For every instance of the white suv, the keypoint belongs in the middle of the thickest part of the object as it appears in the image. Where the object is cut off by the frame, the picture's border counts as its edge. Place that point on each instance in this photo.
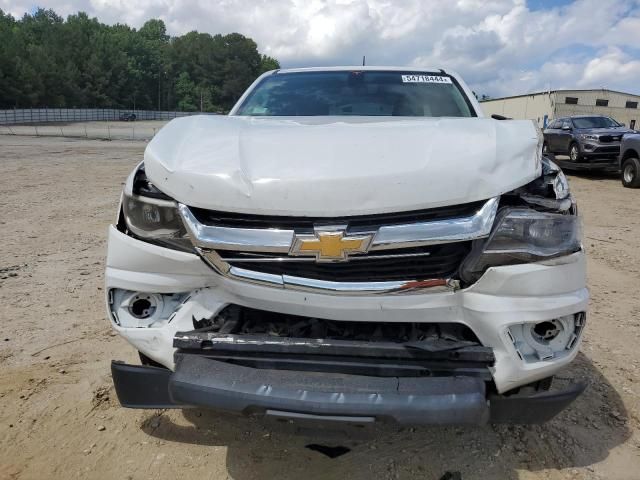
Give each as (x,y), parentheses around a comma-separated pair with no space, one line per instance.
(355,244)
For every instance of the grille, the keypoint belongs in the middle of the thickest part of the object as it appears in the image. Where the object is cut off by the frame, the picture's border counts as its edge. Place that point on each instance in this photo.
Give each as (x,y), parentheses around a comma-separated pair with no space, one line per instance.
(420,263)
(610,138)
(355,223)
(613,149)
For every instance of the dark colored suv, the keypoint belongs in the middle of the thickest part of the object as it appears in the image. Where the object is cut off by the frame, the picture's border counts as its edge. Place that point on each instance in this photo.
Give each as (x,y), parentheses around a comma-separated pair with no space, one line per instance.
(584,136)
(128,117)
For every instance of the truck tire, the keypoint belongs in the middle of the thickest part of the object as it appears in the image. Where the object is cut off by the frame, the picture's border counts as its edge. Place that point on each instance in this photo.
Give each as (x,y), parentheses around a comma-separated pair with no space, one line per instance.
(574,152)
(630,174)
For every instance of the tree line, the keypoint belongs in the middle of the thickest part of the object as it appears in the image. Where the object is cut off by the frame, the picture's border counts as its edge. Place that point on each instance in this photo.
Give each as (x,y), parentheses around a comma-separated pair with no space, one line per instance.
(47,61)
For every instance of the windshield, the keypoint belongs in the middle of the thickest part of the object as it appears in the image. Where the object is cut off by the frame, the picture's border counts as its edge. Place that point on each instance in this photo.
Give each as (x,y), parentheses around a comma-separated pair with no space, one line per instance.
(595,122)
(376,93)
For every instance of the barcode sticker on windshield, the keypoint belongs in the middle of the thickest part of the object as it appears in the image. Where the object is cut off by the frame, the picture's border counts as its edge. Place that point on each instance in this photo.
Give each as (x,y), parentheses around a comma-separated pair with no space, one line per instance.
(425,79)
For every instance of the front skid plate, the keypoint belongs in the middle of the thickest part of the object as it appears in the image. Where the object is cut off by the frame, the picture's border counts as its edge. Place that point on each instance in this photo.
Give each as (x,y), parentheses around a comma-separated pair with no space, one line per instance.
(203,382)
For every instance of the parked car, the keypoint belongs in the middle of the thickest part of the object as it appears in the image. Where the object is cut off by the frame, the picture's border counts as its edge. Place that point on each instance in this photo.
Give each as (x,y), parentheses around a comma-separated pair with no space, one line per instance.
(128,117)
(349,244)
(584,137)
(630,160)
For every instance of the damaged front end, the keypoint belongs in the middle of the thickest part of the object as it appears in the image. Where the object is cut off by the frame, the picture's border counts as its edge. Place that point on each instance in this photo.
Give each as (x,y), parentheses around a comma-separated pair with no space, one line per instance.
(262,363)
(260,339)
(257,362)
(471,353)
(536,222)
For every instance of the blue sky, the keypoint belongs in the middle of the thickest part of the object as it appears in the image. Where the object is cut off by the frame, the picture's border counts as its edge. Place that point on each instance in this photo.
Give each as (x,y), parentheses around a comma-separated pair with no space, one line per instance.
(501,47)
(546,4)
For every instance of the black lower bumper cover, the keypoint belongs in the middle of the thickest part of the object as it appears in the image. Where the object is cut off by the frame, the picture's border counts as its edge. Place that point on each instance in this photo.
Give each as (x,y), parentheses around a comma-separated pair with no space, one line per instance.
(199,381)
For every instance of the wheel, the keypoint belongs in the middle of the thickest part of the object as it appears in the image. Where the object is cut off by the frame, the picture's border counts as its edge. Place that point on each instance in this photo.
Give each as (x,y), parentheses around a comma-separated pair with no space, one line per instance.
(631,173)
(574,152)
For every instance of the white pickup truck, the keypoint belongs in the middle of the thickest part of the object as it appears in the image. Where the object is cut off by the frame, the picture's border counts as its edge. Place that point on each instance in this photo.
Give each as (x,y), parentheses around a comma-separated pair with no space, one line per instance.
(349,244)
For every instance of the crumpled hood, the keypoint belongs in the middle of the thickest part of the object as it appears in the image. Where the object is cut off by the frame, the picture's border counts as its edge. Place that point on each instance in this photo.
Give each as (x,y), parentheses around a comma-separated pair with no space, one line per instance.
(339,166)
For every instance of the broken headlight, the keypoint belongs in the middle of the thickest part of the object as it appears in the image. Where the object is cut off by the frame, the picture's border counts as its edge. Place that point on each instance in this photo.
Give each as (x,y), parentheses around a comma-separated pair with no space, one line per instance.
(523,235)
(152,216)
(550,190)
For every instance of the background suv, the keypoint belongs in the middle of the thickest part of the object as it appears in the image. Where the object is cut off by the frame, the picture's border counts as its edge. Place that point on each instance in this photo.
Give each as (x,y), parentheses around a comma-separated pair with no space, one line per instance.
(584,136)
(128,117)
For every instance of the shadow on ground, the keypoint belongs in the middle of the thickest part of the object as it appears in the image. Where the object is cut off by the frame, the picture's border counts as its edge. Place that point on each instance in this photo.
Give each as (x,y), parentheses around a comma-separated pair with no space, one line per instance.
(596,171)
(259,449)
(594,175)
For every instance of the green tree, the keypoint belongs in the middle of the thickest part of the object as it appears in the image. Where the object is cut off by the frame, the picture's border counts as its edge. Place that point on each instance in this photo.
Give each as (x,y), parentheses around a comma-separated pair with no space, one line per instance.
(46,60)
(268,63)
(186,93)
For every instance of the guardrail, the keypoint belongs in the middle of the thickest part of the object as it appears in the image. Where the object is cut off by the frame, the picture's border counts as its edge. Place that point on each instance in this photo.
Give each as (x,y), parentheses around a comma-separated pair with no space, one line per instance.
(20,116)
(100,131)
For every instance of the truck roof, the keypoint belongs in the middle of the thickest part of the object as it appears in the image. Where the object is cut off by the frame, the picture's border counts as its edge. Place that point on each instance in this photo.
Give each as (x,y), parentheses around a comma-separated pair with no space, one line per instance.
(359,68)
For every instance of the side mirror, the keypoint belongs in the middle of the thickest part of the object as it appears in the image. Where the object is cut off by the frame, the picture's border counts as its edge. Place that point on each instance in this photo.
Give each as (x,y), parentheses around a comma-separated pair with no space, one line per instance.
(623,124)
(566,127)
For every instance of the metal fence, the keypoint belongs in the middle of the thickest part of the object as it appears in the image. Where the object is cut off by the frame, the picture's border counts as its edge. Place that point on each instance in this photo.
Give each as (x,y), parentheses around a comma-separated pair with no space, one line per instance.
(21,116)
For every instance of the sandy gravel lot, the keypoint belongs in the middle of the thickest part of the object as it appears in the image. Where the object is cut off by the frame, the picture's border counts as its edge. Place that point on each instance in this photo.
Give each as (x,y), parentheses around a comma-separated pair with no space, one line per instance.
(59,418)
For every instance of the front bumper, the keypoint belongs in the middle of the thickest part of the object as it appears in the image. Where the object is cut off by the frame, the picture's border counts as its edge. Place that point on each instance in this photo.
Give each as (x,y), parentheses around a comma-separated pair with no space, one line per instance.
(503,297)
(202,382)
(600,150)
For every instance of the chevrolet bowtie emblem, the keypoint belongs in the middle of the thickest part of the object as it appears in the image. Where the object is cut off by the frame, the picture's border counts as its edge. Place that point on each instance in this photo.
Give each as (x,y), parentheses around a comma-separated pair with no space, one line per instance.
(330,245)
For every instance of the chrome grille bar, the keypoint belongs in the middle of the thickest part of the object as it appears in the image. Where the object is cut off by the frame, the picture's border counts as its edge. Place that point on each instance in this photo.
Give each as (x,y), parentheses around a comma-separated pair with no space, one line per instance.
(327,287)
(242,239)
(313,260)
(387,237)
(438,231)
(226,248)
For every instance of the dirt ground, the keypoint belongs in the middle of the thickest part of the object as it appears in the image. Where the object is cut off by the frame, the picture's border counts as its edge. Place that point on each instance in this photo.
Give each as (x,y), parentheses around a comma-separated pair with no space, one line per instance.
(59,417)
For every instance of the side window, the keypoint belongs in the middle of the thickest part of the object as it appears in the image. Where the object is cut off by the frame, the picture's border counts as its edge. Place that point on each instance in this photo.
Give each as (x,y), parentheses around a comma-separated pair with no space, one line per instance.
(555,124)
(566,123)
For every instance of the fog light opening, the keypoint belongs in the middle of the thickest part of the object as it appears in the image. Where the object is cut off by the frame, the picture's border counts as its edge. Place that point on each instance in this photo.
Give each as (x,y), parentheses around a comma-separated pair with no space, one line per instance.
(546,331)
(131,309)
(548,339)
(142,306)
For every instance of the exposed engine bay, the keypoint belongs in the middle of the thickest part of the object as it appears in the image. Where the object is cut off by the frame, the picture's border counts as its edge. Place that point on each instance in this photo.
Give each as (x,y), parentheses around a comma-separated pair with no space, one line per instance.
(262,339)
(234,319)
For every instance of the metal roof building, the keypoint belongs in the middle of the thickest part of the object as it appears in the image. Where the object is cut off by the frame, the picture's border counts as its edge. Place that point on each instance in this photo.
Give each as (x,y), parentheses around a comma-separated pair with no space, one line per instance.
(545,106)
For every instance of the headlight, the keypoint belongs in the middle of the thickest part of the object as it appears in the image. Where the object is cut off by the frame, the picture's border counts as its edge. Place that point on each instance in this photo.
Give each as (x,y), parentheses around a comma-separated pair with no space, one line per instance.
(560,186)
(522,236)
(549,191)
(153,216)
(585,136)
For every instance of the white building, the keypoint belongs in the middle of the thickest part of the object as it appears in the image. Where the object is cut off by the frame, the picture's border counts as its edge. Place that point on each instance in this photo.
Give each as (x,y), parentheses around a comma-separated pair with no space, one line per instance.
(545,106)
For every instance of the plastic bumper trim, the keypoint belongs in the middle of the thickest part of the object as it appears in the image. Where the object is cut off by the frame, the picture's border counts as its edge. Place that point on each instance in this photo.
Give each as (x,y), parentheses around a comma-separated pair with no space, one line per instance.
(202,382)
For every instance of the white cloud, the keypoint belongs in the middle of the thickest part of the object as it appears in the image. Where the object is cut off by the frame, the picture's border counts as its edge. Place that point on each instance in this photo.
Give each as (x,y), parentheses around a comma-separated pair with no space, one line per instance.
(598,70)
(500,46)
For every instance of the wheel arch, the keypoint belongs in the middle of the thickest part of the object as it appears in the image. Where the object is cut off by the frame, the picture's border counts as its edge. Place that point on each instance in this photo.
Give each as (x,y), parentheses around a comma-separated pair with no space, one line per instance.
(629,153)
